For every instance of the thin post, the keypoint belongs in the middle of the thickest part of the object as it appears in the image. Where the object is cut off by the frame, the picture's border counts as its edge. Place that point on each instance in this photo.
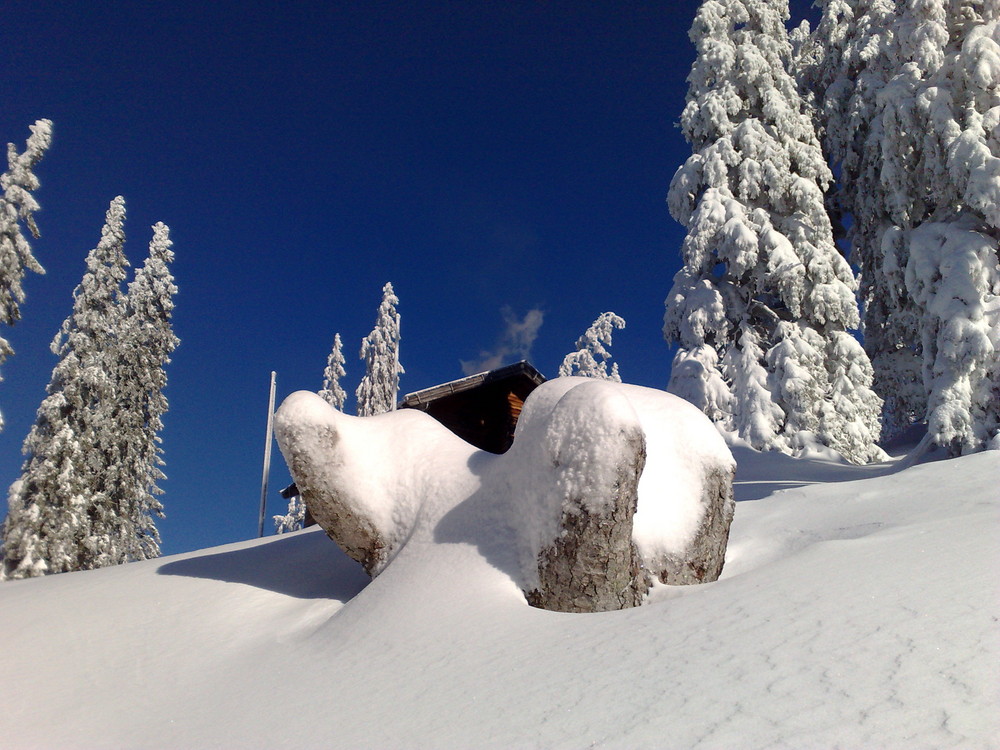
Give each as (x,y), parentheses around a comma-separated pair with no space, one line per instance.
(267,456)
(395,360)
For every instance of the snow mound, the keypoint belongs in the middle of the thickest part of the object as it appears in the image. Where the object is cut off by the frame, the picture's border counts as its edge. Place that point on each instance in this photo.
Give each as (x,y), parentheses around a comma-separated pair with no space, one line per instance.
(683,452)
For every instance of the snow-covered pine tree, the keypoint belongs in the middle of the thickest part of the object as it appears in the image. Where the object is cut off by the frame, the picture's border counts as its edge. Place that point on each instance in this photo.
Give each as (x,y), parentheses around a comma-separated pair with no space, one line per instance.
(917,148)
(147,341)
(757,418)
(60,518)
(17,205)
(332,392)
(858,55)
(764,297)
(590,346)
(380,350)
(947,213)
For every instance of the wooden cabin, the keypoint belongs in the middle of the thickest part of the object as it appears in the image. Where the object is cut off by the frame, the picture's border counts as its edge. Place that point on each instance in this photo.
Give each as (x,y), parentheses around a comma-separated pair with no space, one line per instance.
(481,409)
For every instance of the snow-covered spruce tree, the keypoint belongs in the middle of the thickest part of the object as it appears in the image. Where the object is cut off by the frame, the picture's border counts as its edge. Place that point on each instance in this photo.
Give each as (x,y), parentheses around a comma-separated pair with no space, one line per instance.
(757,418)
(147,341)
(917,148)
(946,214)
(60,518)
(17,205)
(332,392)
(858,54)
(954,278)
(764,298)
(380,350)
(591,345)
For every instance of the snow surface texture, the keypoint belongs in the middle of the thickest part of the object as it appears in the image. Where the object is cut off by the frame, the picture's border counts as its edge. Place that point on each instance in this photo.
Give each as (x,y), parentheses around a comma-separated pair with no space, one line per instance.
(858,609)
(586,525)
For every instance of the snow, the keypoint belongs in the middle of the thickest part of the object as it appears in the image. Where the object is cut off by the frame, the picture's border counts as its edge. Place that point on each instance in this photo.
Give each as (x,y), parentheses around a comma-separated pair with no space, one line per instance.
(858,608)
(681,447)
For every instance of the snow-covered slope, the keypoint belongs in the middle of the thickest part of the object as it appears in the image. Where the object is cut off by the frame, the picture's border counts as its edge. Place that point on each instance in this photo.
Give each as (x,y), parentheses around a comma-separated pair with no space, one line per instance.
(859,608)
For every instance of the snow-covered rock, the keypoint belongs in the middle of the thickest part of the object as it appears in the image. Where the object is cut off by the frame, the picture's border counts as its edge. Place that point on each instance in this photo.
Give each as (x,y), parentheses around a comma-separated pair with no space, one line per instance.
(606,487)
(573,477)
(365,479)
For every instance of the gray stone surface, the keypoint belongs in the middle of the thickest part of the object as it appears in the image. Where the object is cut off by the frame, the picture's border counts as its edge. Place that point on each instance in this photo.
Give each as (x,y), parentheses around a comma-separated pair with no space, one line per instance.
(310,448)
(703,560)
(593,566)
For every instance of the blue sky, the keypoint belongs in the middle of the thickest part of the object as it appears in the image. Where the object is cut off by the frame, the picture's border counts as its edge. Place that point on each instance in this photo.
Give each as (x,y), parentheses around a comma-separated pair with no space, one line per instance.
(489,159)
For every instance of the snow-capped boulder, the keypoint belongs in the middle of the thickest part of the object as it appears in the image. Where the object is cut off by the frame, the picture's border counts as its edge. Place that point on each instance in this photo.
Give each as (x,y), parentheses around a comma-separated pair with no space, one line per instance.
(572,478)
(685,490)
(606,487)
(365,479)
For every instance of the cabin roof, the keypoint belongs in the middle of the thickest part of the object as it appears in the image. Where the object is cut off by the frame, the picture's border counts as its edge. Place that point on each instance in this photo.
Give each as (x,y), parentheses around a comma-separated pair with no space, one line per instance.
(522,370)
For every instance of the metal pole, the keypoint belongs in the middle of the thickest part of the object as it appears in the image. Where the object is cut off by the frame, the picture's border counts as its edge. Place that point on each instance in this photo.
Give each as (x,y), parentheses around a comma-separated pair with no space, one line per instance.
(395,360)
(267,456)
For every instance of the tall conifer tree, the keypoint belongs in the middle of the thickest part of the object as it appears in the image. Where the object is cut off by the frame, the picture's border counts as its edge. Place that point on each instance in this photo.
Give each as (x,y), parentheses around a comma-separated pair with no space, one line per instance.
(380,350)
(86,497)
(858,54)
(60,517)
(945,237)
(147,341)
(913,91)
(332,392)
(17,206)
(764,297)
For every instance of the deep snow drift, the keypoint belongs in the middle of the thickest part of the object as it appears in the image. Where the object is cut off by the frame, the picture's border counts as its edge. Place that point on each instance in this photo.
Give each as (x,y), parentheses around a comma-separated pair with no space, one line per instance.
(858,608)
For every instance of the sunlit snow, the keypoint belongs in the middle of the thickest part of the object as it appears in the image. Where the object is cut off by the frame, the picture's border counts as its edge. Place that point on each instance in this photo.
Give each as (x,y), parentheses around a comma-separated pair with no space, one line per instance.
(858,608)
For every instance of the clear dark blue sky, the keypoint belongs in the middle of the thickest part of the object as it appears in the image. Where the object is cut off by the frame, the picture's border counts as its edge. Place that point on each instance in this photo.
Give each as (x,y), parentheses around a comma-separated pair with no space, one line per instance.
(479,155)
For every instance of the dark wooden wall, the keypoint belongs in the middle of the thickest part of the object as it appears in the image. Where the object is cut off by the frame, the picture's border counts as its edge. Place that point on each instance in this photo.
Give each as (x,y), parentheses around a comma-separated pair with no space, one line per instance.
(484,416)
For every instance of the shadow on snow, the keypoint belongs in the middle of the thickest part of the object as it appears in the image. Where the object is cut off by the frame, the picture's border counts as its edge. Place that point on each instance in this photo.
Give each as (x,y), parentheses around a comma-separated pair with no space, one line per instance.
(303,565)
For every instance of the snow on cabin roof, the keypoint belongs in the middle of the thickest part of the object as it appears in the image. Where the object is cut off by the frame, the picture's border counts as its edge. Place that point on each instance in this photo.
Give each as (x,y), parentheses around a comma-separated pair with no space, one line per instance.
(420,398)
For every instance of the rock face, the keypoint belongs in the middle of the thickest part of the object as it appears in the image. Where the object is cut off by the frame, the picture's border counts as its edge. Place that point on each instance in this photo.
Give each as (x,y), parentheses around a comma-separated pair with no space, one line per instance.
(597,452)
(349,526)
(684,487)
(593,565)
(606,487)
(702,561)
